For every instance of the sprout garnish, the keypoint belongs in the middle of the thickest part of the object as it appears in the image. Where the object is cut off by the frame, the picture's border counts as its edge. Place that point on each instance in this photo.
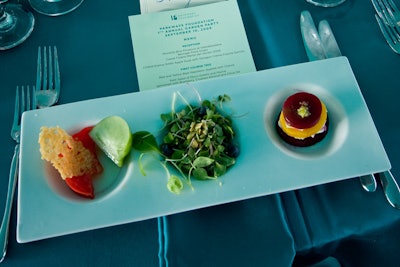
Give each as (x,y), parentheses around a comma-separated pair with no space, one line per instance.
(197,140)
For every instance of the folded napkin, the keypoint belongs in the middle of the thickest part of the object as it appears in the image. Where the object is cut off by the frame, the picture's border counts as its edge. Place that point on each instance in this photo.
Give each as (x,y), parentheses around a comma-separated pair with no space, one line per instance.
(147,6)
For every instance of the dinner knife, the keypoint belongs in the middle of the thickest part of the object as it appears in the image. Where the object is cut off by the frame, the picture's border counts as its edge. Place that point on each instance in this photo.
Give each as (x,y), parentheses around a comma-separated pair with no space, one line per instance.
(390,188)
(311,38)
(368,182)
(328,40)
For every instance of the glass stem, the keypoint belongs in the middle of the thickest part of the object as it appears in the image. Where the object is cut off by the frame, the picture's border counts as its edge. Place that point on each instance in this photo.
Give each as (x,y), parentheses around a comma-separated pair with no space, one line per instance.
(2,12)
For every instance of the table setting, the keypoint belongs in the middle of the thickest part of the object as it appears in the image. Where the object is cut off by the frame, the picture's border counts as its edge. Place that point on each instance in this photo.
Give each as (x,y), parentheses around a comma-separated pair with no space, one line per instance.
(77,62)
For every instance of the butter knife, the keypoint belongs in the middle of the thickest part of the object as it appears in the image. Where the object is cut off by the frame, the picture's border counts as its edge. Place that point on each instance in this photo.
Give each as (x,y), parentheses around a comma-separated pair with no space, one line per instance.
(311,39)
(390,188)
(328,40)
(368,182)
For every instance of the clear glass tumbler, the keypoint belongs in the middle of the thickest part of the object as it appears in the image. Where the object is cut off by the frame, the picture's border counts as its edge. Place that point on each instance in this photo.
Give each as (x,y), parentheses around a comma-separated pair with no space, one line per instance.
(326,3)
(16,24)
(55,7)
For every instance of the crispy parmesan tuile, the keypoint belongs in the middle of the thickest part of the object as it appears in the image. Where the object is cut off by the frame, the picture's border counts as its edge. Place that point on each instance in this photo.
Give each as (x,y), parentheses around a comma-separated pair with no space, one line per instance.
(66,154)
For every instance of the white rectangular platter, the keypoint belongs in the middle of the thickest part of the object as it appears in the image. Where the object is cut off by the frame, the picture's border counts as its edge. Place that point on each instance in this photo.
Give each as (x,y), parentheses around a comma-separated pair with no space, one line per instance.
(266,165)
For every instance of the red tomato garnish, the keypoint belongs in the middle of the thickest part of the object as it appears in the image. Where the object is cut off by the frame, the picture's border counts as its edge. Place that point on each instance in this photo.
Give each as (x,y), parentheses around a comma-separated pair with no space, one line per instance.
(83,136)
(81,185)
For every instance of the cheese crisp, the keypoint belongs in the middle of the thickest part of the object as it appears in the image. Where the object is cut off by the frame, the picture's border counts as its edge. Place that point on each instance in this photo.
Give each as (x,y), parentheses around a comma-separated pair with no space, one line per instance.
(67,155)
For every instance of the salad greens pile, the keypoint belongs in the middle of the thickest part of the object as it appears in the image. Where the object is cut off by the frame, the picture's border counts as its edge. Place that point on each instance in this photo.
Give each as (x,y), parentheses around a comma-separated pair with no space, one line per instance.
(197,140)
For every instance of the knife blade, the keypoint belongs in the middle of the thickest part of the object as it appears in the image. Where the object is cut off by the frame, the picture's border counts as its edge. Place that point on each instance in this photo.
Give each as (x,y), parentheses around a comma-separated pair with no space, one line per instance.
(390,188)
(368,182)
(328,39)
(311,39)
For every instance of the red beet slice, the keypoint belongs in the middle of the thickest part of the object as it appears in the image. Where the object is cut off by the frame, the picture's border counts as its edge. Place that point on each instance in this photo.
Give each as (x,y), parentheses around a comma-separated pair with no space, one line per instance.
(302,110)
(309,141)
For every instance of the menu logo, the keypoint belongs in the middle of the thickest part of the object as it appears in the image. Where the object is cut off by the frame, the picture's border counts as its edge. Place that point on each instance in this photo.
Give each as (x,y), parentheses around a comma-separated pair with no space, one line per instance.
(182,16)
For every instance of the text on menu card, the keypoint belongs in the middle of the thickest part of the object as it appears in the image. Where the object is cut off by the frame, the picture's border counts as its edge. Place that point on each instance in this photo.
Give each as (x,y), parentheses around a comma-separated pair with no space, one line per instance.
(185,45)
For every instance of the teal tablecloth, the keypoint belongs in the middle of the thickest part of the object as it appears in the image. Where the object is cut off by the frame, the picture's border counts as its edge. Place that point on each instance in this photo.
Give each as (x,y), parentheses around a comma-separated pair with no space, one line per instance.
(297,227)
(337,220)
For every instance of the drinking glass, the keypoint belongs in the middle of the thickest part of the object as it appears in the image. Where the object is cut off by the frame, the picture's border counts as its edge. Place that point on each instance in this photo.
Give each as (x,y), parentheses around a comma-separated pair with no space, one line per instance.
(326,3)
(16,24)
(55,7)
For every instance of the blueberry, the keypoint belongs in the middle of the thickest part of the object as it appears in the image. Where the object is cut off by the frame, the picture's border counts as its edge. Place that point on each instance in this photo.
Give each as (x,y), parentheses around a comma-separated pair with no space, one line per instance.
(202,111)
(166,149)
(232,150)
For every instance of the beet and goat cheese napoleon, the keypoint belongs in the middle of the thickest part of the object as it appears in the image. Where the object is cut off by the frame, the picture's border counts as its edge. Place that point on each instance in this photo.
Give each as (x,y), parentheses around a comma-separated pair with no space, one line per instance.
(303,120)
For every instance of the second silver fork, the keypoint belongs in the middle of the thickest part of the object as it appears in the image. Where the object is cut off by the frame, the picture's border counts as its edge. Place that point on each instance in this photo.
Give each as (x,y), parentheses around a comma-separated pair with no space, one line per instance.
(388,11)
(388,18)
(391,34)
(24,100)
(48,80)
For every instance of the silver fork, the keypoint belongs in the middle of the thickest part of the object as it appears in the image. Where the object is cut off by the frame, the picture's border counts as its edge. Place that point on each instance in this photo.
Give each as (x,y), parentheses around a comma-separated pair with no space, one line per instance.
(387,10)
(48,77)
(391,34)
(24,100)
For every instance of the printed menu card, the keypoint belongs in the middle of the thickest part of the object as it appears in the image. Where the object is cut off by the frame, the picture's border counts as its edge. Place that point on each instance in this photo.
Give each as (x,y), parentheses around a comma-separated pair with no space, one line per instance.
(184,45)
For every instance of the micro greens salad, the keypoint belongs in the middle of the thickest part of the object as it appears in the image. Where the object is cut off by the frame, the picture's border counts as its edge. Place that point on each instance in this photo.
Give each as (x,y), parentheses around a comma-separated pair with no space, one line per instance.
(198,141)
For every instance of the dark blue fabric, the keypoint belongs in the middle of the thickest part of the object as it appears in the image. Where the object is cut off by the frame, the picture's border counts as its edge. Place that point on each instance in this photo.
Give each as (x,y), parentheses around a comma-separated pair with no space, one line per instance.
(245,233)
(338,214)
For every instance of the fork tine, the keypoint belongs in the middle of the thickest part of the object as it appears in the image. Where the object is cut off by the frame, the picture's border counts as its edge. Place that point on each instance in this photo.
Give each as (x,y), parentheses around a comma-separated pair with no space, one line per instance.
(392,8)
(384,12)
(391,34)
(57,79)
(27,99)
(23,104)
(51,63)
(48,85)
(45,81)
(381,10)
(33,98)
(16,110)
(24,101)
(389,12)
(39,70)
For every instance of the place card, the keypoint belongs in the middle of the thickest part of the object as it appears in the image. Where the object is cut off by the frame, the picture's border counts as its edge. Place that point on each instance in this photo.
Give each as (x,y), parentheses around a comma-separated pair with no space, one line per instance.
(147,6)
(184,45)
